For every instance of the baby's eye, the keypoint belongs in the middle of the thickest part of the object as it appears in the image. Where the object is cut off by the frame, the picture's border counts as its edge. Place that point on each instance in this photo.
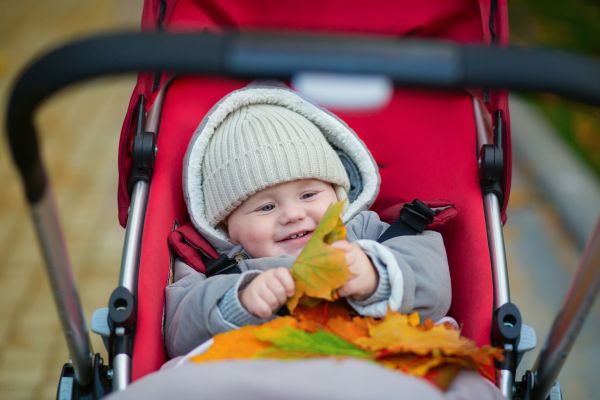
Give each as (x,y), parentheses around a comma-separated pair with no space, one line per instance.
(266,208)
(308,195)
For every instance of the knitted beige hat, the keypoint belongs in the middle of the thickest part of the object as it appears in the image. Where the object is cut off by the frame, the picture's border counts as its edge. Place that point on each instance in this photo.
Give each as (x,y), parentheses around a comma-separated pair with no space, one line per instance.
(261,145)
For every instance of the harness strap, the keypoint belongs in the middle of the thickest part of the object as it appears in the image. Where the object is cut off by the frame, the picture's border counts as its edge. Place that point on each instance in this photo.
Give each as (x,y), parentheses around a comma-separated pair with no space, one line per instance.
(413,219)
(221,265)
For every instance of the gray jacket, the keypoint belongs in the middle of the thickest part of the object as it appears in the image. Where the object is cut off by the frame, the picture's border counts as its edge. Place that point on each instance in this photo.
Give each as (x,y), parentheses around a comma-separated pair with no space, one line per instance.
(413,276)
(413,270)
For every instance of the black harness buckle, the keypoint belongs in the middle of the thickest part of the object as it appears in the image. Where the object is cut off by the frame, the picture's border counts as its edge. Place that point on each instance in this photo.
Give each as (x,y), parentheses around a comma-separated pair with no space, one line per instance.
(413,219)
(417,215)
(222,265)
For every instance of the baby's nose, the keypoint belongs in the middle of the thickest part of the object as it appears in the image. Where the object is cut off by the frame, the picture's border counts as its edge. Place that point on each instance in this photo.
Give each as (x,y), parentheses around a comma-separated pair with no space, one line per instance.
(293,214)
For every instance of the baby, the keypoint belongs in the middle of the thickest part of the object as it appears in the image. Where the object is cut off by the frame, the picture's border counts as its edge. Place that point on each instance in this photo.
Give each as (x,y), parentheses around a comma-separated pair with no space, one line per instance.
(260,172)
(278,221)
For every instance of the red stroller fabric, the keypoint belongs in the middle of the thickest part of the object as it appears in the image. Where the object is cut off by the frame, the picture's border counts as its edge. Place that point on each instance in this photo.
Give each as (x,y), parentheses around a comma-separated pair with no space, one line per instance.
(423,141)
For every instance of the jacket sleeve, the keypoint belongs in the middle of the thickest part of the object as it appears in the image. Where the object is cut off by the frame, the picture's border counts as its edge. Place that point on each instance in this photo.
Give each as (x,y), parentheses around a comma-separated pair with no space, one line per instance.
(417,269)
(198,308)
(192,314)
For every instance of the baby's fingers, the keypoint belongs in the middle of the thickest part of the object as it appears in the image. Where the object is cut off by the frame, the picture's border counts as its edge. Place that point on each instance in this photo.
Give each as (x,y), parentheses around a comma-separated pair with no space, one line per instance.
(284,277)
(278,290)
(261,309)
(270,298)
(348,289)
(256,302)
(343,245)
(356,288)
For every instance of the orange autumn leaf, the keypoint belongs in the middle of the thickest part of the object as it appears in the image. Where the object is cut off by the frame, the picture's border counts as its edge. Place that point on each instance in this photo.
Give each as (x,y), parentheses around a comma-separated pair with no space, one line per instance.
(398,334)
(433,352)
(323,311)
(241,343)
(349,330)
(321,269)
(337,317)
(315,317)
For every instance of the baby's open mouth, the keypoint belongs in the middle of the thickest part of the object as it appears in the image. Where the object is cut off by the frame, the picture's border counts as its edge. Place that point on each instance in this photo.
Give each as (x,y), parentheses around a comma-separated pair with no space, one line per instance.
(296,235)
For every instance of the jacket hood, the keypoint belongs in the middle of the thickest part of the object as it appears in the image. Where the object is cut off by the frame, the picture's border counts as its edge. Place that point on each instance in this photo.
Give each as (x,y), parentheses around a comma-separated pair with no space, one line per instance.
(357,160)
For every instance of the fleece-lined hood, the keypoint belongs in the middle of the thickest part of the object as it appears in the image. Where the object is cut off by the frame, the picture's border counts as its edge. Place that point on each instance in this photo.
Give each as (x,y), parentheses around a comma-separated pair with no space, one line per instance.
(357,160)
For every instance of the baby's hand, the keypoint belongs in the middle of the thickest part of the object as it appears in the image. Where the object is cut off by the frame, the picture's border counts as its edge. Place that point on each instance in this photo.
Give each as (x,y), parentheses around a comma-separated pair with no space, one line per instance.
(267,292)
(364,278)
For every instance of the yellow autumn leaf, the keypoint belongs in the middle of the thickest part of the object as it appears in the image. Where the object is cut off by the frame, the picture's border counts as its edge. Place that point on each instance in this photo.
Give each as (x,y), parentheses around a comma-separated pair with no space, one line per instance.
(401,334)
(321,269)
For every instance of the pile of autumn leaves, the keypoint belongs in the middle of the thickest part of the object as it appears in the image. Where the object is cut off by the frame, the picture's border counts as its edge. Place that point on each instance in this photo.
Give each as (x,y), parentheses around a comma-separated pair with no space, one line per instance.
(320,326)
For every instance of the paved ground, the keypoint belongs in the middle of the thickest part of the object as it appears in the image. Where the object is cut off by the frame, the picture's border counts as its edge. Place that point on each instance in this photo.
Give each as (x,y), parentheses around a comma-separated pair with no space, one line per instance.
(80,128)
(555,206)
(542,260)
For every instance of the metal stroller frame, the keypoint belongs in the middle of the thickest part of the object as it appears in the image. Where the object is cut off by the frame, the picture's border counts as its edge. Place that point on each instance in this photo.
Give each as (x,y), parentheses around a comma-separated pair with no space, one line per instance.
(410,63)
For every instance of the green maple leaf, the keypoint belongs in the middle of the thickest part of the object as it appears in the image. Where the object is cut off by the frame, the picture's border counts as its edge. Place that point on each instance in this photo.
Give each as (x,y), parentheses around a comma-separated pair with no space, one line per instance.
(290,342)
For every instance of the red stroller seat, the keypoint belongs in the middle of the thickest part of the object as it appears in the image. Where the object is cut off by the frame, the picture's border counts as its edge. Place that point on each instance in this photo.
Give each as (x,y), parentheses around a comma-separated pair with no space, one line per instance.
(424,142)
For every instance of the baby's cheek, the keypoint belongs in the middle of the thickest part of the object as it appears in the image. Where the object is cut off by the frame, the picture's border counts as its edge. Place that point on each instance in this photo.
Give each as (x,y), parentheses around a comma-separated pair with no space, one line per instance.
(259,244)
(244,234)
(256,236)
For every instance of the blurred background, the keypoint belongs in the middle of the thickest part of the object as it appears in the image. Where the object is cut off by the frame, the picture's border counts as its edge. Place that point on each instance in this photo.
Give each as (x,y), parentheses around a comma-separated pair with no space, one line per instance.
(80,127)
(575,27)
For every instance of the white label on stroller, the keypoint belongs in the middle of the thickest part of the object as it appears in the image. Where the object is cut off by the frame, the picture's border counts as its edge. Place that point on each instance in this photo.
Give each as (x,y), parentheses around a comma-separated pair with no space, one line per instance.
(65,388)
(344,91)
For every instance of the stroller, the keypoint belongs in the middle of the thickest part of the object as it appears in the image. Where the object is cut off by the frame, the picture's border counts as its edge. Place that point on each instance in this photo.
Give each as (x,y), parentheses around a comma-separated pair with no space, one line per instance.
(455,145)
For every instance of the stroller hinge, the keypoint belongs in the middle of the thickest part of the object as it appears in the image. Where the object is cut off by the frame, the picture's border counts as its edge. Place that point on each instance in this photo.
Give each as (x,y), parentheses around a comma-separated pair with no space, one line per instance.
(121,319)
(143,152)
(70,389)
(491,160)
(506,332)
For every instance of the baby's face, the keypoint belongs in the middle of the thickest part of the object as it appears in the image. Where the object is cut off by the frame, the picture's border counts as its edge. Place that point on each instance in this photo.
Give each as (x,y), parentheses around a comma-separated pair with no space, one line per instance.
(279,220)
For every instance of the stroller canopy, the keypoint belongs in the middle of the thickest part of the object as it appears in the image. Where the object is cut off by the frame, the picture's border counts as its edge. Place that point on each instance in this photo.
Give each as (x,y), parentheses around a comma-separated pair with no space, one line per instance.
(463,21)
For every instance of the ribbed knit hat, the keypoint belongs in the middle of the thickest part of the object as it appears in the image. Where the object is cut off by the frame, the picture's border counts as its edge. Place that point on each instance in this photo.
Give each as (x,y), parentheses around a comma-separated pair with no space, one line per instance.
(261,145)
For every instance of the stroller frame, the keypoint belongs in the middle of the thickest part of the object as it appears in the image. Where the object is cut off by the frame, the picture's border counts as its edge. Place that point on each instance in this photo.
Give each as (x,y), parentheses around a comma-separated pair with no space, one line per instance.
(428,64)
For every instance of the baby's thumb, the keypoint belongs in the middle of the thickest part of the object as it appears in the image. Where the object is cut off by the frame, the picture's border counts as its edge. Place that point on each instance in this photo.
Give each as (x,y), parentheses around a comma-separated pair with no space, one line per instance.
(342,245)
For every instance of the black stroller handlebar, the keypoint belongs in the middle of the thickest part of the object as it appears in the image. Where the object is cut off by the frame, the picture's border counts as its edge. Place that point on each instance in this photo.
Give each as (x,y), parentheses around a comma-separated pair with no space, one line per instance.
(257,55)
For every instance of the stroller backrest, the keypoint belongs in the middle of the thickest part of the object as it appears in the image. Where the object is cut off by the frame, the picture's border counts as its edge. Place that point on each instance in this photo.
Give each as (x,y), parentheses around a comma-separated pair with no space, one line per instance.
(424,144)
